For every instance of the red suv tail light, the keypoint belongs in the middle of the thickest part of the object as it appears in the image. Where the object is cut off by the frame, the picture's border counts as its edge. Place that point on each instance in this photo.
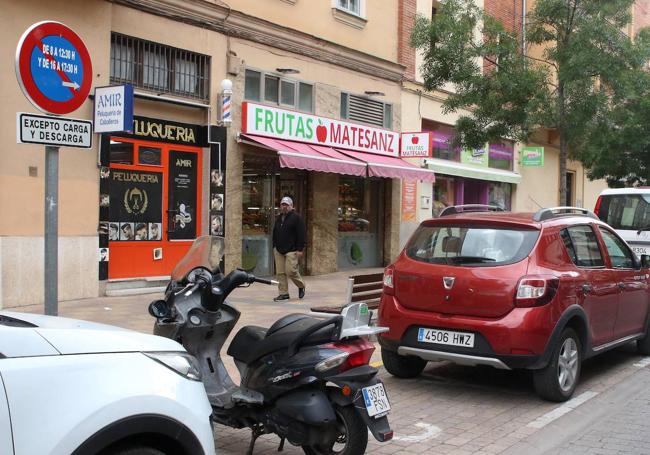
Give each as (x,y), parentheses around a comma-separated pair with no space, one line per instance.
(389,284)
(536,290)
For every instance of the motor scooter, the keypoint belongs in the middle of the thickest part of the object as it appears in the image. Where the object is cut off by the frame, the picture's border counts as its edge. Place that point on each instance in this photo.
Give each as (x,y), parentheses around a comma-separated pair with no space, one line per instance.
(304,378)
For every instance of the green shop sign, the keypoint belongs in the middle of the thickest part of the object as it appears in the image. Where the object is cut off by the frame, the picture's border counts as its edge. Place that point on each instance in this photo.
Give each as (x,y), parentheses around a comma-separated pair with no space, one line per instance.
(476,157)
(532,156)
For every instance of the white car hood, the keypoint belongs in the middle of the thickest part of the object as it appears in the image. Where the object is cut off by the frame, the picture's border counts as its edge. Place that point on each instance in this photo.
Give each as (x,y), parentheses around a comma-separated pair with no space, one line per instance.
(55,335)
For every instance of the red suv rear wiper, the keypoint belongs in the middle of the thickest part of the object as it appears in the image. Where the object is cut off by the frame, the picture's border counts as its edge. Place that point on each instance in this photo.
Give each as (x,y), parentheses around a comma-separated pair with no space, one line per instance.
(466,259)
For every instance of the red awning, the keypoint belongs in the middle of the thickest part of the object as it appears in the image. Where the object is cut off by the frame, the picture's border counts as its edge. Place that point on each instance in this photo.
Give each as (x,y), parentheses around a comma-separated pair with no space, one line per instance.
(297,155)
(391,167)
(311,157)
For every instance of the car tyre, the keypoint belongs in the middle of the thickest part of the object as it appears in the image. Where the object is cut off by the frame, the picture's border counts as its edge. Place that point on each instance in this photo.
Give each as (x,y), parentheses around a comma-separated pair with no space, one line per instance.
(557,381)
(643,345)
(402,366)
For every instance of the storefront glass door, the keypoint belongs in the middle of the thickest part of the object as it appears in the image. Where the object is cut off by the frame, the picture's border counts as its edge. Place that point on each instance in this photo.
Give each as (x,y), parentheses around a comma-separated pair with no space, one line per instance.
(360,223)
(264,184)
(154,203)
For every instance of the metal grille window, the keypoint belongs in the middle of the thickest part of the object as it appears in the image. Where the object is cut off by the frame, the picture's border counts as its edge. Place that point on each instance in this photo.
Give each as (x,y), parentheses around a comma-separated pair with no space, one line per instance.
(159,68)
(366,110)
(279,91)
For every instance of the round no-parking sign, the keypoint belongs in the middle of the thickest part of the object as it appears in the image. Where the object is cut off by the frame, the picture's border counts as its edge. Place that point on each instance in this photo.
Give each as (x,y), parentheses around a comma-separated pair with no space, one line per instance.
(53,67)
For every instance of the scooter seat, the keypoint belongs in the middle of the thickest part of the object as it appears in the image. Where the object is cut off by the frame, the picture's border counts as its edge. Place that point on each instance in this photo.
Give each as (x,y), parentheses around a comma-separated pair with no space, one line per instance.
(247,346)
(246,337)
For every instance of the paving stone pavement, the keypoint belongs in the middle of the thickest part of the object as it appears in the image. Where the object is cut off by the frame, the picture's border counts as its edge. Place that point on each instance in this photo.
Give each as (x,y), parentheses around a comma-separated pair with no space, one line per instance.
(625,431)
(449,409)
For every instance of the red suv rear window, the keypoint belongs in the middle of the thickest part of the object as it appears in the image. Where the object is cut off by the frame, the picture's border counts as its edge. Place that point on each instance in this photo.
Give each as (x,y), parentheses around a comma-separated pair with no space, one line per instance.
(469,245)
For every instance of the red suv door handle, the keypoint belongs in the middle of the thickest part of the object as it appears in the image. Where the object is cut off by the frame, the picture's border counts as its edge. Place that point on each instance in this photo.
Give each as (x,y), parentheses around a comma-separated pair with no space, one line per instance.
(621,285)
(586,288)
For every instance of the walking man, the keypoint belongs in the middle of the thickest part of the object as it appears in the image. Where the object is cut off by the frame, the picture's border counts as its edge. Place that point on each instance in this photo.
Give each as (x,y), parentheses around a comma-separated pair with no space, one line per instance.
(288,245)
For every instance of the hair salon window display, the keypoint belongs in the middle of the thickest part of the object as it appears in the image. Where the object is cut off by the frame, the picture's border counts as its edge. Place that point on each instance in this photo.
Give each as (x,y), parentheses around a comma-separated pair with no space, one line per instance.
(135,213)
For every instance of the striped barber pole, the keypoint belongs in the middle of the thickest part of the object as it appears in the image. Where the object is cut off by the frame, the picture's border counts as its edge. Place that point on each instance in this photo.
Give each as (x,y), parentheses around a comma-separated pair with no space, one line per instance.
(225,108)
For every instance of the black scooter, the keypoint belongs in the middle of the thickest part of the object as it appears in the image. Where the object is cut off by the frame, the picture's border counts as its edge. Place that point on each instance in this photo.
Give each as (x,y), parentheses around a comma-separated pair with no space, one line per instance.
(305,379)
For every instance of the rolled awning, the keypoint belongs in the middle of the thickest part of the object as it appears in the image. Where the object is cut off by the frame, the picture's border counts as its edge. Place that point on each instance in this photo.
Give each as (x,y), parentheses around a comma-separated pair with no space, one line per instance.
(297,155)
(391,167)
(462,170)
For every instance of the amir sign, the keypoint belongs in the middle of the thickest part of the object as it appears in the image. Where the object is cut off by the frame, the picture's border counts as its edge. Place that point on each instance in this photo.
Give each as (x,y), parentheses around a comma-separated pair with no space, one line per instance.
(297,126)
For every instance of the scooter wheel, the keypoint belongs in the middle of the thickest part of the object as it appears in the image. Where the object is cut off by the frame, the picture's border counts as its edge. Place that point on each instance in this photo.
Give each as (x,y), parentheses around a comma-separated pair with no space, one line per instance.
(352,438)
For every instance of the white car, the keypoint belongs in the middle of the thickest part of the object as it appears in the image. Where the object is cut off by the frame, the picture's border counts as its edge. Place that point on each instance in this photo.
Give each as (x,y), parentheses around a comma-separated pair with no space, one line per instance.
(627,210)
(75,387)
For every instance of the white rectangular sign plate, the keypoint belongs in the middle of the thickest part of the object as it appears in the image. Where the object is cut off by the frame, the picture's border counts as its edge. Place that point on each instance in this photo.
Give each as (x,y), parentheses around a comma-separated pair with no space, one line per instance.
(50,130)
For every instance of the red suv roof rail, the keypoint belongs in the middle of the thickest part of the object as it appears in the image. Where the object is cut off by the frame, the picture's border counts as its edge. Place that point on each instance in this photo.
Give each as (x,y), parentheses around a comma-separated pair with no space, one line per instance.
(555,212)
(452,209)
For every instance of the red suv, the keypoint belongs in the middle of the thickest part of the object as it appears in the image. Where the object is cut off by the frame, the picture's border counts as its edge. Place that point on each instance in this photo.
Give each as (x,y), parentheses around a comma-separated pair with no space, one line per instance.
(539,291)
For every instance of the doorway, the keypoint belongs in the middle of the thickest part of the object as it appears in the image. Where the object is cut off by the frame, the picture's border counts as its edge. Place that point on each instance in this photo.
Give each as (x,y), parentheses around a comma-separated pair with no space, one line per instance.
(154,205)
(263,186)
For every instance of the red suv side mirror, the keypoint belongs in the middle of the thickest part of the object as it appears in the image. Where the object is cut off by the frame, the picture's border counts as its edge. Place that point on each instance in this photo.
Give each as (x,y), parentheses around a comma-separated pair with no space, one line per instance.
(645,261)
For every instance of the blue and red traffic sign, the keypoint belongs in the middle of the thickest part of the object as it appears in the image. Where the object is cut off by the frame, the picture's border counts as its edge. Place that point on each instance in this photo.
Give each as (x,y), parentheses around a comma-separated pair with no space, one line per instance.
(53,67)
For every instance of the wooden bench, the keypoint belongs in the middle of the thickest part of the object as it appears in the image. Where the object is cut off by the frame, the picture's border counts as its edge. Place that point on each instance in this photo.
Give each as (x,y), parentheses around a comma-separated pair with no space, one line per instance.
(361,288)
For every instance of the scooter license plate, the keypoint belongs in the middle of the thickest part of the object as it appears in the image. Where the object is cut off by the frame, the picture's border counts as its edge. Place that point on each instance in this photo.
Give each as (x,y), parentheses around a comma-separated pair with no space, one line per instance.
(376,400)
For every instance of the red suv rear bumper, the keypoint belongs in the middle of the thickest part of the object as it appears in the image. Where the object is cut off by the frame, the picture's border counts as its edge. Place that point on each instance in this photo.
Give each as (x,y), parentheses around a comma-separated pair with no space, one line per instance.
(517,339)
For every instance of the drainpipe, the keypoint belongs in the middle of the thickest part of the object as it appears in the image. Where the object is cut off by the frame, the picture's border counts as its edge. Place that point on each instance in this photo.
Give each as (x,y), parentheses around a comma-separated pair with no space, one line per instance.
(523,27)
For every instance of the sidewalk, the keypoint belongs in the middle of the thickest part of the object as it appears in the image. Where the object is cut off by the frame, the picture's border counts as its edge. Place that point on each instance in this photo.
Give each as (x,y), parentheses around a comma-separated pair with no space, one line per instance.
(255,304)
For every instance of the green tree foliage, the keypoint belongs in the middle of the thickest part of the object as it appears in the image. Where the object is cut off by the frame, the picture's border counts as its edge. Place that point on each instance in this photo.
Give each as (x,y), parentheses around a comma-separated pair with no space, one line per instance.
(585,73)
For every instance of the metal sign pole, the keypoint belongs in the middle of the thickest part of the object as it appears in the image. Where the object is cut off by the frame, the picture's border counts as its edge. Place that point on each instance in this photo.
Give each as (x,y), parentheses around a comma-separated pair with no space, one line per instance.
(51,229)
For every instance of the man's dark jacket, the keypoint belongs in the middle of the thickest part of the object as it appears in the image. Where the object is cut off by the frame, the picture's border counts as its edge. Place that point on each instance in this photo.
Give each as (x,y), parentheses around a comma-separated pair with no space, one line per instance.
(289,235)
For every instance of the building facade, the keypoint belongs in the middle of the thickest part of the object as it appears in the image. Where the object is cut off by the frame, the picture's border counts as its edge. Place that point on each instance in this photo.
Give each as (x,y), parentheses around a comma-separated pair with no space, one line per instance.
(314,97)
(496,175)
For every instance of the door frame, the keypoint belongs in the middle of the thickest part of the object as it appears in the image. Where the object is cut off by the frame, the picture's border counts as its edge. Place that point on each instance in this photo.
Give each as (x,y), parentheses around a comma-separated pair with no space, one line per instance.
(175,248)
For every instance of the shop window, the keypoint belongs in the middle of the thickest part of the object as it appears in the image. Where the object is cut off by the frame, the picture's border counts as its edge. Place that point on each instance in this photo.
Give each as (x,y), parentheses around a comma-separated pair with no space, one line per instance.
(278,90)
(501,155)
(121,152)
(499,194)
(445,151)
(442,136)
(358,205)
(443,195)
(149,156)
(366,110)
(159,68)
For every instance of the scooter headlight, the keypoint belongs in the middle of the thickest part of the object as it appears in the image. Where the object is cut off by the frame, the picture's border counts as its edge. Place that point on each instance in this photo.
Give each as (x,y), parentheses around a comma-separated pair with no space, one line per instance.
(332,362)
(180,362)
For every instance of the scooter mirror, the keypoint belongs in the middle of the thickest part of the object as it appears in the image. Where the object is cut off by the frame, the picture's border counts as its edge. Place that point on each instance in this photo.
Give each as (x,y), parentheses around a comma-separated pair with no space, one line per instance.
(159,309)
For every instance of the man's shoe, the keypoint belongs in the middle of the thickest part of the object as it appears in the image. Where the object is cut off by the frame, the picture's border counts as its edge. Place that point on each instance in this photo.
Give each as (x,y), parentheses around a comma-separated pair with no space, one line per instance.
(301,293)
(281,297)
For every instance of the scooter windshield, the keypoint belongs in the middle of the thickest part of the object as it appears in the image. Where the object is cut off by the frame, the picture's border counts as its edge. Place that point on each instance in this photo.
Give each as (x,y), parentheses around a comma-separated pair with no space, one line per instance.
(206,251)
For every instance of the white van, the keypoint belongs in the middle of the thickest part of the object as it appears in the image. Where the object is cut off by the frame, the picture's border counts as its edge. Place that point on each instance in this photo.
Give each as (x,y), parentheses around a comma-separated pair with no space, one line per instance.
(627,210)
